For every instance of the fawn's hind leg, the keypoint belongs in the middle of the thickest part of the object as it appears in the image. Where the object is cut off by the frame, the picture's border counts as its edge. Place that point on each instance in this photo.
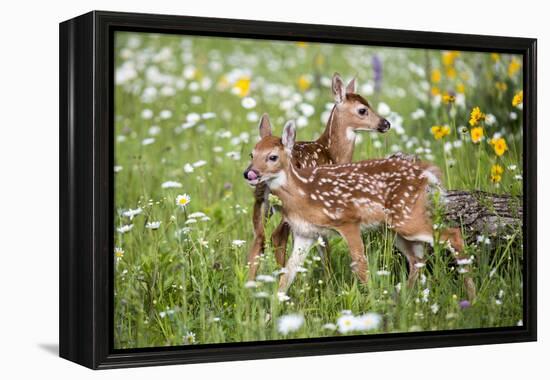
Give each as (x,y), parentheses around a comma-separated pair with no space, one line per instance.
(414,252)
(279,239)
(257,247)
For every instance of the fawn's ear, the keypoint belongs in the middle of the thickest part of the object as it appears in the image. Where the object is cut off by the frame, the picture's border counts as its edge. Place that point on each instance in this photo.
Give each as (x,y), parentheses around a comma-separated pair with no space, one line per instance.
(265,126)
(338,91)
(351,87)
(289,135)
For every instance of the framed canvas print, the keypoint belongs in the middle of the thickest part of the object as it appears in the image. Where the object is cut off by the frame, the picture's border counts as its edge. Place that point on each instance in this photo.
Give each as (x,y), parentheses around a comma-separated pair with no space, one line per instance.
(238,189)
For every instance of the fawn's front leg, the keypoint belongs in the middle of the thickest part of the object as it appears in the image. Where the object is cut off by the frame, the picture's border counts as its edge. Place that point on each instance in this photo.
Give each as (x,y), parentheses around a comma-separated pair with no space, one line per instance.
(257,247)
(299,253)
(279,238)
(359,263)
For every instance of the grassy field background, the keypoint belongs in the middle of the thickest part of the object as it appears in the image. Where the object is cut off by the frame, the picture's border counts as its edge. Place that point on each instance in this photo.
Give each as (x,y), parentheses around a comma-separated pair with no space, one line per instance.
(186,114)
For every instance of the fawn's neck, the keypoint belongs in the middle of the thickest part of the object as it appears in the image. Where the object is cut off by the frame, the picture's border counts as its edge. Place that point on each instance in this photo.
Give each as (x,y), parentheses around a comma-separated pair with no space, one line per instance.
(339,141)
(292,185)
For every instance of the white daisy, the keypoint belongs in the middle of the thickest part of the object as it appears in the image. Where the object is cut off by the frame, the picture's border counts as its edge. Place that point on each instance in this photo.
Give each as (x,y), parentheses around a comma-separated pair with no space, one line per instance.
(238,243)
(368,321)
(146,114)
(197,215)
(248,102)
(125,228)
(251,284)
(189,338)
(153,225)
(119,253)
(188,168)
(183,200)
(148,141)
(330,326)
(170,185)
(154,130)
(464,261)
(199,163)
(346,323)
(289,323)
(130,213)
(208,115)
(265,278)
(165,114)
(282,297)
(383,109)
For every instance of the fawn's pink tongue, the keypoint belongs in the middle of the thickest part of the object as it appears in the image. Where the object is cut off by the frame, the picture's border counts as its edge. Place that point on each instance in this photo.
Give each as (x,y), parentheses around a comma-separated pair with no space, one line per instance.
(251,175)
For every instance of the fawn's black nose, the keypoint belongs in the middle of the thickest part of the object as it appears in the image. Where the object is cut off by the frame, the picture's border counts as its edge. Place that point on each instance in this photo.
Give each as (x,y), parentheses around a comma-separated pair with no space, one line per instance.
(383,125)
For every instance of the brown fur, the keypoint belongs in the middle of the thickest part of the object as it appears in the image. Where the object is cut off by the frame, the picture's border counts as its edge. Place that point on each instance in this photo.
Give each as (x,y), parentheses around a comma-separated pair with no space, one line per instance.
(392,191)
(333,146)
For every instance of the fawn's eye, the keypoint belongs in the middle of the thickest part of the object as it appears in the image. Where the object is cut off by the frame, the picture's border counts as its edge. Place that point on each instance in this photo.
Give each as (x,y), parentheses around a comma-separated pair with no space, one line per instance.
(250,155)
(362,111)
(273,157)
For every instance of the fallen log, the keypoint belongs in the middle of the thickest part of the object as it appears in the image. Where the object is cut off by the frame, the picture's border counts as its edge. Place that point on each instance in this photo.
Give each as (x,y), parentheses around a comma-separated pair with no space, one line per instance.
(483,213)
(479,212)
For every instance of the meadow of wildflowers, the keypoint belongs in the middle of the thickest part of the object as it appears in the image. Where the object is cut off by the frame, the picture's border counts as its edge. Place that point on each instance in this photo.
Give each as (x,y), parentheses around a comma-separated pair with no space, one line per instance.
(186,114)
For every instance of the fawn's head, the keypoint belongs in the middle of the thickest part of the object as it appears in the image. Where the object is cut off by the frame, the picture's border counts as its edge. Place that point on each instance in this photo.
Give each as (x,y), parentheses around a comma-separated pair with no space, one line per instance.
(354,112)
(271,155)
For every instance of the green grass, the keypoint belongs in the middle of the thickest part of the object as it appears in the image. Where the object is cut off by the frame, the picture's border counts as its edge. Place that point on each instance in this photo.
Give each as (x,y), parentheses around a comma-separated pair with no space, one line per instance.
(189,278)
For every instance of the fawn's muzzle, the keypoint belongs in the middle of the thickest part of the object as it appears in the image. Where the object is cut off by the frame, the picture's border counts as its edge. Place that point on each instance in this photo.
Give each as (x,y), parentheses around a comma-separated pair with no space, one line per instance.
(383,126)
(251,175)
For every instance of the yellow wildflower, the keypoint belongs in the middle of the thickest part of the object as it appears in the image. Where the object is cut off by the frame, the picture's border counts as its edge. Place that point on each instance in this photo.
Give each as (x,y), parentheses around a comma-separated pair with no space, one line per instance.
(319,60)
(451,72)
(448,98)
(301,44)
(499,145)
(495,57)
(476,116)
(242,86)
(476,134)
(518,99)
(303,82)
(514,67)
(436,76)
(440,131)
(435,91)
(449,57)
(460,88)
(496,173)
(501,86)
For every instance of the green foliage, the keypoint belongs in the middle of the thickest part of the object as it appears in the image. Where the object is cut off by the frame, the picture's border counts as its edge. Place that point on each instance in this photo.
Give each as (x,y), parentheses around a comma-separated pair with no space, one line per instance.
(187,110)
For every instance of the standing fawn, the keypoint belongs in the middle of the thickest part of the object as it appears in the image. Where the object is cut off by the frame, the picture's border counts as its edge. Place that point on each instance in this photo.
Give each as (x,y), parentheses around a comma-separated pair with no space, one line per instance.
(392,191)
(350,113)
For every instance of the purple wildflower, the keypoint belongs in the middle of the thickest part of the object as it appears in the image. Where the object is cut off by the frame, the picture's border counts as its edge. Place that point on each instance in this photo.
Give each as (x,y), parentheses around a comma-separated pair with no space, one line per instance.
(377,69)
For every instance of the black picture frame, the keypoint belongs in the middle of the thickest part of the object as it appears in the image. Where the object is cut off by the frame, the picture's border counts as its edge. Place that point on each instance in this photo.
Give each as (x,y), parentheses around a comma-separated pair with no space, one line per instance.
(86,188)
